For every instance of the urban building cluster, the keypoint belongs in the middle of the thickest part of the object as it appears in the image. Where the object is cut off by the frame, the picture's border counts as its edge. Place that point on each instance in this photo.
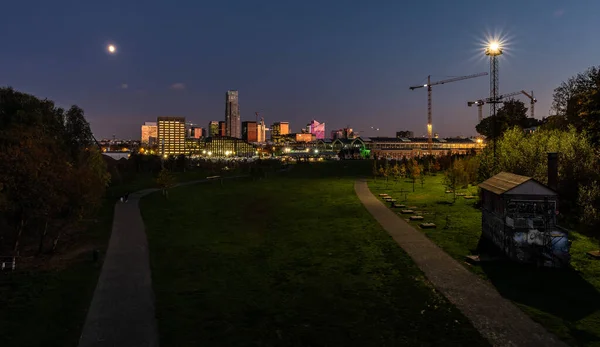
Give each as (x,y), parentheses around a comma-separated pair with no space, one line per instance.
(169,136)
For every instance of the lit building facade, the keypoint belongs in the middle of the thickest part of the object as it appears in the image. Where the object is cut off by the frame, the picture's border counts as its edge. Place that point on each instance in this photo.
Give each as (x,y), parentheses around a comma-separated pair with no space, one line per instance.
(149,133)
(196,132)
(392,147)
(226,146)
(279,128)
(345,133)
(305,137)
(250,131)
(222,129)
(261,132)
(213,128)
(317,129)
(232,114)
(171,135)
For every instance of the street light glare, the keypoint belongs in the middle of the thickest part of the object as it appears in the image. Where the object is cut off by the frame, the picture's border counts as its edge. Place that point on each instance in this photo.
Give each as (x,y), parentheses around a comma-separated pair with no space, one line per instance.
(494,45)
(112,49)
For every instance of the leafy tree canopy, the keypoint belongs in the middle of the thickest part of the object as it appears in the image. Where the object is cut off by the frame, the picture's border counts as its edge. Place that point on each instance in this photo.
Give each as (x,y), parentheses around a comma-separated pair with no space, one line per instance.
(512,114)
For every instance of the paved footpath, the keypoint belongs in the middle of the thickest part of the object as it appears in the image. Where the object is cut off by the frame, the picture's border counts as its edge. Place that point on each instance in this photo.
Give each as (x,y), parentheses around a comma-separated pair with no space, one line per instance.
(496,318)
(122,309)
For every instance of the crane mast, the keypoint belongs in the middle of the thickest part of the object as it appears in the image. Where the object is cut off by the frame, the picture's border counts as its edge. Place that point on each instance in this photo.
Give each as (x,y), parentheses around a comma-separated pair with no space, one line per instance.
(533,101)
(482,102)
(429,104)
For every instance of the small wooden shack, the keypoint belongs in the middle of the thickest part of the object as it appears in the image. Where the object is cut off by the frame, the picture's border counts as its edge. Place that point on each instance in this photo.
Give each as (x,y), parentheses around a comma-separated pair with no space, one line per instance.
(519,218)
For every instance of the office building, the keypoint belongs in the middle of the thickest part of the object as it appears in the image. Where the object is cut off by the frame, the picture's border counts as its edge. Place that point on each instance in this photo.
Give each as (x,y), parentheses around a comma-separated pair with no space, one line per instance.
(196,132)
(304,137)
(222,128)
(249,131)
(280,128)
(261,132)
(213,128)
(225,146)
(317,129)
(345,133)
(149,133)
(232,115)
(171,135)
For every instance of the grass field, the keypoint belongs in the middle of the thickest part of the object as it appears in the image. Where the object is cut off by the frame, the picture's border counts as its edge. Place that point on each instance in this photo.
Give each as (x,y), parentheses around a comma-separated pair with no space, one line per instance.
(566,302)
(288,261)
(48,308)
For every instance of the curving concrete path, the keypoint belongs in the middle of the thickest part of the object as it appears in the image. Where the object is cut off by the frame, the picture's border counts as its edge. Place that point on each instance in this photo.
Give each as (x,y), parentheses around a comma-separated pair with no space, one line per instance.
(122,309)
(496,318)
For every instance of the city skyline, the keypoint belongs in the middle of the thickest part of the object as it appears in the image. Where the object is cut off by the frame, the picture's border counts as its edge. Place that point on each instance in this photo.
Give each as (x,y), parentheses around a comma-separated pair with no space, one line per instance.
(348,66)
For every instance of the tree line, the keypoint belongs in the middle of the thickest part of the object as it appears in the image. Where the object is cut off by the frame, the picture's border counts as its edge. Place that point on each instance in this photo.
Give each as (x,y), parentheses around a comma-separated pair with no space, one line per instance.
(52,174)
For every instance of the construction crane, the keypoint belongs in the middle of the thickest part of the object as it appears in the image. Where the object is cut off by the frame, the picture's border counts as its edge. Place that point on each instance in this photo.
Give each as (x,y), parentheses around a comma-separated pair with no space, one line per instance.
(429,85)
(482,102)
(533,101)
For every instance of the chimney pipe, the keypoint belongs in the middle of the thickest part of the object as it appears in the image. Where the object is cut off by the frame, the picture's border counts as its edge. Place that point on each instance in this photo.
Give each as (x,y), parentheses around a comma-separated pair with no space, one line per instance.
(553,170)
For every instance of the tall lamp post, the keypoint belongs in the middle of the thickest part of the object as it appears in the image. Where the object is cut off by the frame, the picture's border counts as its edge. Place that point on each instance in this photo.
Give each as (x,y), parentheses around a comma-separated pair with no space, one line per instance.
(494,50)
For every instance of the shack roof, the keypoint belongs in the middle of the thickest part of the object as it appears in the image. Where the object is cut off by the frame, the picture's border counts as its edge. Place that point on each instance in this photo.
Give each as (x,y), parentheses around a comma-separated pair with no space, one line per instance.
(503,182)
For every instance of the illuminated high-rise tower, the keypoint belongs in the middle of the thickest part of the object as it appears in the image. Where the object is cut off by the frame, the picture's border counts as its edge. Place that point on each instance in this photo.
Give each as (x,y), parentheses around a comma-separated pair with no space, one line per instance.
(232,115)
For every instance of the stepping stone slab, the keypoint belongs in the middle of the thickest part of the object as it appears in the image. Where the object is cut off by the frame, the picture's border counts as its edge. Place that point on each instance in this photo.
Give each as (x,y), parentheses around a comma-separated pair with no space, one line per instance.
(412,207)
(416,217)
(418,213)
(391,200)
(448,191)
(398,206)
(594,254)
(460,194)
(383,194)
(407,211)
(469,197)
(427,225)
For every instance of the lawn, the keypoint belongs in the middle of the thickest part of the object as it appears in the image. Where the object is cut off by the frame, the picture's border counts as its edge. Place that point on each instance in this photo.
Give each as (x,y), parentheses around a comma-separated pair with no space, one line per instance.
(48,308)
(566,302)
(288,261)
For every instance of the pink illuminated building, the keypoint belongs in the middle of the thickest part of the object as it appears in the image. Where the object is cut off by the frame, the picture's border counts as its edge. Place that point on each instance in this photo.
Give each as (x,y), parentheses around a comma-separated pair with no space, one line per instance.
(317,129)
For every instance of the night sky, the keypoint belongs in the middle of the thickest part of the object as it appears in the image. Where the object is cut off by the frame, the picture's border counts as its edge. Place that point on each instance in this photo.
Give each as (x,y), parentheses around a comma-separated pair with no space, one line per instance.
(340,62)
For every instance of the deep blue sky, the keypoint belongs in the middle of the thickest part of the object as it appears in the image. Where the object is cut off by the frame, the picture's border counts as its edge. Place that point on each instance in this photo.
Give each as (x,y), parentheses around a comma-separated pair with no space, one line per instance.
(340,62)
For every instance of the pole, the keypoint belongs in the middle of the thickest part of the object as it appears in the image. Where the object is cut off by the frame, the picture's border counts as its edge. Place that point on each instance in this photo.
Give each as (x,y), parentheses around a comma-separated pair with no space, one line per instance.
(480,111)
(494,102)
(162,155)
(532,105)
(429,125)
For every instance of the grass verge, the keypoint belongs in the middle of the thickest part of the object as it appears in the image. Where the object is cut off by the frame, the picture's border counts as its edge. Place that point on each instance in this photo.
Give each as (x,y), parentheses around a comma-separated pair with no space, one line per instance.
(566,302)
(48,307)
(287,262)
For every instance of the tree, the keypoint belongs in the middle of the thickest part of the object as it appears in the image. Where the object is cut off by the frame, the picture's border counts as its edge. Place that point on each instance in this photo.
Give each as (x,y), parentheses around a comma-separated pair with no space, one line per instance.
(454,177)
(415,171)
(387,170)
(403,170)
(422,176)
(589,200)
(78,135)
(396,171)
(577,102)
(52,174)
(513,113)
(375,169)
(165,180)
